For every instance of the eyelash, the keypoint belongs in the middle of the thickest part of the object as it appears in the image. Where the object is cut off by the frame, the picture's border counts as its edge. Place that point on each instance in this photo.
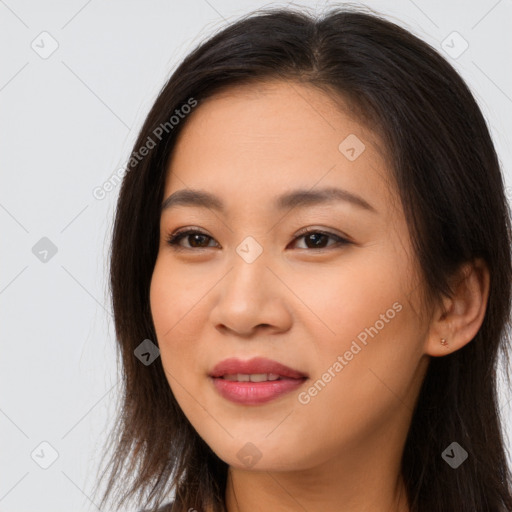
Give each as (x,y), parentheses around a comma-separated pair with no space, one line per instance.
(174,238)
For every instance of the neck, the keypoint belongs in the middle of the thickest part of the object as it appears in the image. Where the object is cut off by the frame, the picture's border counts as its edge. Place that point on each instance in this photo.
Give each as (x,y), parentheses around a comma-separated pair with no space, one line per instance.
(365,478)
(313,491)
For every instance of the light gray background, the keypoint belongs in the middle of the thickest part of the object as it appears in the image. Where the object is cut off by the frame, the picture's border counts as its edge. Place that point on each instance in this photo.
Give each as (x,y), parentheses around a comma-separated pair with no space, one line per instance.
(67,123)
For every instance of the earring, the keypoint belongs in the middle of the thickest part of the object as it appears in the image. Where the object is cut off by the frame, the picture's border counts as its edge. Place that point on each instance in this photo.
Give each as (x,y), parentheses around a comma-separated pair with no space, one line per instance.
(444,342)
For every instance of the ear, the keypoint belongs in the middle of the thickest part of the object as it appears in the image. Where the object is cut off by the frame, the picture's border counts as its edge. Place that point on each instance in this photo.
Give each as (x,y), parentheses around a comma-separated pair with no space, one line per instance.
(457,319)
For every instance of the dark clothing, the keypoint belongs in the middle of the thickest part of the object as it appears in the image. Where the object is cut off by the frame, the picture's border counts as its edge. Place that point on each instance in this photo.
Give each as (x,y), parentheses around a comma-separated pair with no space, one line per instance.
(164,508)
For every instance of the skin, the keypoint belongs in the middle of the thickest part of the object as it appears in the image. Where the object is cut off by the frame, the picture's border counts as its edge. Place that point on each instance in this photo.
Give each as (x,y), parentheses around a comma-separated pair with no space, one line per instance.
(297,304)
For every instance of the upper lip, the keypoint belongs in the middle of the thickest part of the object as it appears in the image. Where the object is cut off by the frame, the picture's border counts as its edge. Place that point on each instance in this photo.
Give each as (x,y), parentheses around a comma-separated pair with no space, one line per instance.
(255,365)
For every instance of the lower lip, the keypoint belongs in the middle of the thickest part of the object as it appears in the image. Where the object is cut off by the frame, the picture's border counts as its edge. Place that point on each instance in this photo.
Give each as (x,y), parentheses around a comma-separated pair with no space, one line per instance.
(250,393)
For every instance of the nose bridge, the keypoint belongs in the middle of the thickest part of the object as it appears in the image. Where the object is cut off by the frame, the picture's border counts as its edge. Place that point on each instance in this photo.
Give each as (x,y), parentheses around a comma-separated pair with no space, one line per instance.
(249,267)
(251,250)
(249,294)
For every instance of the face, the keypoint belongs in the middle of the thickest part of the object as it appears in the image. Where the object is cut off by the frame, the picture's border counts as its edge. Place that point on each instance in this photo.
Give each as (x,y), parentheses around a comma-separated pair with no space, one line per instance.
(338,304)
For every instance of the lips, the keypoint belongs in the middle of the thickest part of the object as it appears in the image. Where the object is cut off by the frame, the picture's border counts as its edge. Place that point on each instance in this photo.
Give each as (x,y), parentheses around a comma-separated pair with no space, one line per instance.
(268,380)
(257,365)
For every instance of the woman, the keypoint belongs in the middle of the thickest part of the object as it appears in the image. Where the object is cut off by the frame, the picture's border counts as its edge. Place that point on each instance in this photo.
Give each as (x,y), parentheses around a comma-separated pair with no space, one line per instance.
(311,274)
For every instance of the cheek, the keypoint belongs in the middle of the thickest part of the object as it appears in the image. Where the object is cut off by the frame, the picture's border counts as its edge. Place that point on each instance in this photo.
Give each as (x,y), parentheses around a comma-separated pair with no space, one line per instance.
(344,299)
(175,309)
(175,301)
(369,344)
(360,386)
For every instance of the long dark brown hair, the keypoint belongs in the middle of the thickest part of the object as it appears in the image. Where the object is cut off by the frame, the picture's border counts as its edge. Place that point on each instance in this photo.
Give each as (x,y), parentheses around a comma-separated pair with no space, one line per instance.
(450,185)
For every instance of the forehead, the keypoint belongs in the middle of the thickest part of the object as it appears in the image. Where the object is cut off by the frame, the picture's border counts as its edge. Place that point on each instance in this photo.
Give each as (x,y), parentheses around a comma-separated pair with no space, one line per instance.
(261,139)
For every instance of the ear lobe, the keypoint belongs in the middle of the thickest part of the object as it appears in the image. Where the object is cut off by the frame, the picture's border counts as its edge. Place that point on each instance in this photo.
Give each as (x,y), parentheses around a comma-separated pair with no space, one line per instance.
(457,319)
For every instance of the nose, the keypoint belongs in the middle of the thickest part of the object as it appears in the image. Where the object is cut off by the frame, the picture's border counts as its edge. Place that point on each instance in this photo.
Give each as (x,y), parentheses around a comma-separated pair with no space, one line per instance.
(252,298)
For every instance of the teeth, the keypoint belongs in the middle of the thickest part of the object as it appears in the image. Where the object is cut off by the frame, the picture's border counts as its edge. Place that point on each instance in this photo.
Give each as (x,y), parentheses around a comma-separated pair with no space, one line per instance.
(253,377)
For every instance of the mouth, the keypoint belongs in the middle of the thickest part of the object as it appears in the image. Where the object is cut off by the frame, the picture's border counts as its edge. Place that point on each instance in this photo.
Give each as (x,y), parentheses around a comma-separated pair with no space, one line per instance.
(255,381)
(257,368)
(253,377)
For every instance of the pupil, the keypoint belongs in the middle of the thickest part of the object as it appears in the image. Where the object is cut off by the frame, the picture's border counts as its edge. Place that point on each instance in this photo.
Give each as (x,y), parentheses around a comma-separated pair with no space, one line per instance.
(316,236)
(196,237)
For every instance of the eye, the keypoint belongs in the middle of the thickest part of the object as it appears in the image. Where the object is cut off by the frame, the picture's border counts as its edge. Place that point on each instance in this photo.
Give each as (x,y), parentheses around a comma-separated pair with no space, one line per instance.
(314,238)
(318,237)
(197,238)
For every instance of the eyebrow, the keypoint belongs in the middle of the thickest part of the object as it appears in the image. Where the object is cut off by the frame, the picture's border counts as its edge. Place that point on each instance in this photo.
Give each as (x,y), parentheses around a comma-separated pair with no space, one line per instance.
(292,199)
